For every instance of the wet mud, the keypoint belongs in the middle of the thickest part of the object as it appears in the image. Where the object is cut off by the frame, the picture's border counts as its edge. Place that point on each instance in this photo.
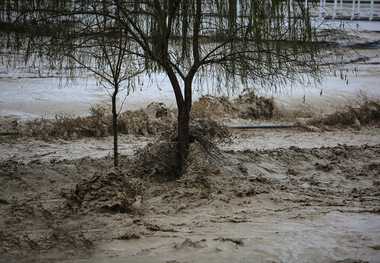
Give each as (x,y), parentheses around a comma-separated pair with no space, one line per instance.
(249,205)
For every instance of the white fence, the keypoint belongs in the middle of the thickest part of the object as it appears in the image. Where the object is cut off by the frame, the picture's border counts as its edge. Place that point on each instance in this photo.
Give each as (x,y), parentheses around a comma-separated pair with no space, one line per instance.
(345,9)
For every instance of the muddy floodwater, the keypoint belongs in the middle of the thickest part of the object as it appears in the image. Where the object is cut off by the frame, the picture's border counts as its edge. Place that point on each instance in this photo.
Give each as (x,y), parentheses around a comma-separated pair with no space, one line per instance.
(289,204)
(306,193)
(322,238)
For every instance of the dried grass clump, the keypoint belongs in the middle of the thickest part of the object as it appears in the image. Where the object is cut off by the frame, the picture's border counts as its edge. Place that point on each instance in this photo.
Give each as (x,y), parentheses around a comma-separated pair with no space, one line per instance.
(159,160)
(150,121)
(362,112)
(97,124)
(246,106)
(212,107)
(209,134)
(251,106)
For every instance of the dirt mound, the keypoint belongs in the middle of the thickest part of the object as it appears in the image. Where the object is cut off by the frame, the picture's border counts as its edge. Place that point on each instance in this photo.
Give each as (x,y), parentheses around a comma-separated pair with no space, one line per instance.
(105,192)
(247,106)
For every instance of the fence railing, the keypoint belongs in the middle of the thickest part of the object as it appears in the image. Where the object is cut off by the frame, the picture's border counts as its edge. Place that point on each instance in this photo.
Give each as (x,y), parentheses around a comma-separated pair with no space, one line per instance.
(344,9)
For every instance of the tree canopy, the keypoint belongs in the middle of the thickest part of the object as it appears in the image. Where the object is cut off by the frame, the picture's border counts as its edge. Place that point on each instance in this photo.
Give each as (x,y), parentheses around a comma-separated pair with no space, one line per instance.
(256,40)
(252,42)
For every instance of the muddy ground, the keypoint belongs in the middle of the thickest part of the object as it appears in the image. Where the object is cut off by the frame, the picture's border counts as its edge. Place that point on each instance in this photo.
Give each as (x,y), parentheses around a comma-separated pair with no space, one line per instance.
(304,194)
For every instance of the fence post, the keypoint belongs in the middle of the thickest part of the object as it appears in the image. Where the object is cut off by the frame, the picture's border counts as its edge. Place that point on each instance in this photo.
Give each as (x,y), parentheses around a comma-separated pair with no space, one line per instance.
(353,9)
(371,12)
(291,8)
(335,7)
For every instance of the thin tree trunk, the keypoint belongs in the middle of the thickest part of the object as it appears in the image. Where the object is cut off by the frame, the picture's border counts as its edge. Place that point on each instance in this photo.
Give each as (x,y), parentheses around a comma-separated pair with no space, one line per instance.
(184,108)
(114,127)
(183,134)
(183,117)
(183,123)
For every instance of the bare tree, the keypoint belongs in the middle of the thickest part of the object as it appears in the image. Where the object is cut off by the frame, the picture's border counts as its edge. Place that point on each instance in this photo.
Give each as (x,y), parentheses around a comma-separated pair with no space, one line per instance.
(79,45)
(99,46)
(251,42)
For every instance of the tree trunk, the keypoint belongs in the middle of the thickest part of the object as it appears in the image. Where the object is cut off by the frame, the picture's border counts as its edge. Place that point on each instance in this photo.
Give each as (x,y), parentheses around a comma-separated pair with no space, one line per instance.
(183,134)
(183,123)
(183,116)
(114,127)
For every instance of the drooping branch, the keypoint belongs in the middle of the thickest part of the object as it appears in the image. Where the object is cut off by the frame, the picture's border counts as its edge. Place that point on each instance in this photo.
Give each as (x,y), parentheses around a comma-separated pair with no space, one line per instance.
(196,29)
